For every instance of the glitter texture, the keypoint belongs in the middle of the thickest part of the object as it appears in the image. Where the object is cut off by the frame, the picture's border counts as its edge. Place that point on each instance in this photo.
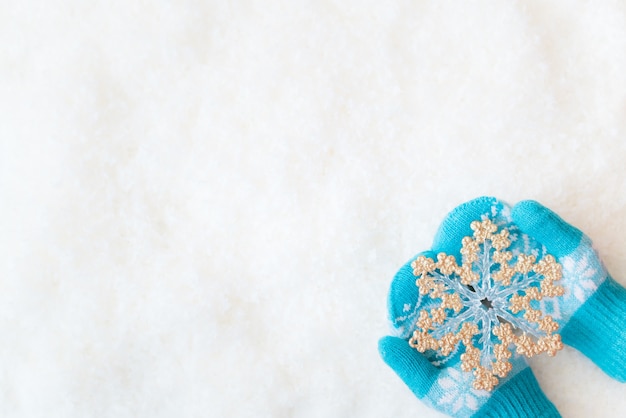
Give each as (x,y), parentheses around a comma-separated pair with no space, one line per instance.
(487,304)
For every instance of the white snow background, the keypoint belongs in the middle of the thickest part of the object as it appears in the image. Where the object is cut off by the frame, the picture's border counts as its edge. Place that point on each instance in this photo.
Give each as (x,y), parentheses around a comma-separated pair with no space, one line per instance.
(202,203)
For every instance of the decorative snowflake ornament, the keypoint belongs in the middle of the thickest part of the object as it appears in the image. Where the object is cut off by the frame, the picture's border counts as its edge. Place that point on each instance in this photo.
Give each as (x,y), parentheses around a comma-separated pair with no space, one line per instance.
(489,304)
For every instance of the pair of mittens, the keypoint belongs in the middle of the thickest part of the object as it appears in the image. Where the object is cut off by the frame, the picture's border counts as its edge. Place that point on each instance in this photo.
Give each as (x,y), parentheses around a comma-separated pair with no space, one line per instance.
(589,311)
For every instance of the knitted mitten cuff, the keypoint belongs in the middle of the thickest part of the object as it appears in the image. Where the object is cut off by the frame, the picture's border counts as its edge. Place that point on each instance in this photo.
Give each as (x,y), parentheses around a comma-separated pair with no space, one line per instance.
(597,329)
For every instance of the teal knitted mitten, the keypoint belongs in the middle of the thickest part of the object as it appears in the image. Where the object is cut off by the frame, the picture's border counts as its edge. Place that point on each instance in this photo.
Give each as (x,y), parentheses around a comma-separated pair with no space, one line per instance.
(592,313)
(438,370)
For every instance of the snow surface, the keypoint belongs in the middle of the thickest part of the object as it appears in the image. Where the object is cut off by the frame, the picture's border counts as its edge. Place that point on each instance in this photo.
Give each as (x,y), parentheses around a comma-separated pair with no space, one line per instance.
(202,203)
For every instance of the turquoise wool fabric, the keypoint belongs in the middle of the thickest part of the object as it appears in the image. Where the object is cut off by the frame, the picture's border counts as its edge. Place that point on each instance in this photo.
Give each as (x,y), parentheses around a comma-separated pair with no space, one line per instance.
(586,314)
(592,314)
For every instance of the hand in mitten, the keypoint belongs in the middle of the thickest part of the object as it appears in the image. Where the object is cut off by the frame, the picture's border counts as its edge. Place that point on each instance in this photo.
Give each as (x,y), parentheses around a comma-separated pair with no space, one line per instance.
(592,312)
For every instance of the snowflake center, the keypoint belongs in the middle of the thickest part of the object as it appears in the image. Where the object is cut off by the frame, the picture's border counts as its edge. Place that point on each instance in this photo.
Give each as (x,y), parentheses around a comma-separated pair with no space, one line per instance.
(486,303)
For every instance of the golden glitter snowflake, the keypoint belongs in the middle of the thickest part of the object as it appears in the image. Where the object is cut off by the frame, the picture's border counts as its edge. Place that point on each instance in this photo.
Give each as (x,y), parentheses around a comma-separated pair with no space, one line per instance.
(489,303)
